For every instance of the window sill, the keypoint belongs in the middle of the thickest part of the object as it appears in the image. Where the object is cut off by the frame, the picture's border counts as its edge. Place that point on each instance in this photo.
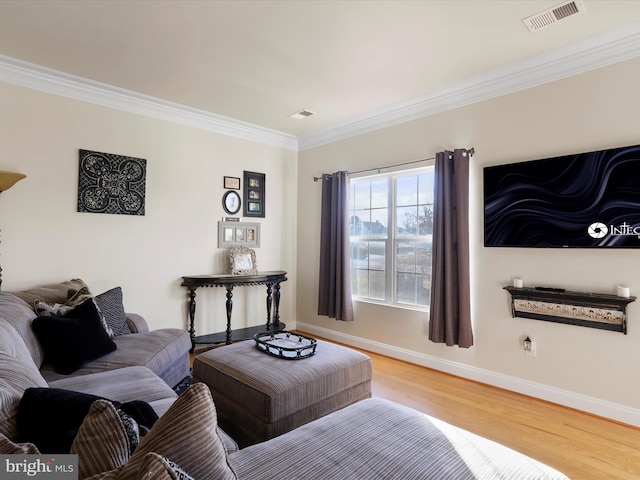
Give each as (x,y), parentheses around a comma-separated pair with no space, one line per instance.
(400,306)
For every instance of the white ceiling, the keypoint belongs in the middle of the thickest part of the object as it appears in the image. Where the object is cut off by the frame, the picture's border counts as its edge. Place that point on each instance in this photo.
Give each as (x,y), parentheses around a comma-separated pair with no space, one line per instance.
(257,61)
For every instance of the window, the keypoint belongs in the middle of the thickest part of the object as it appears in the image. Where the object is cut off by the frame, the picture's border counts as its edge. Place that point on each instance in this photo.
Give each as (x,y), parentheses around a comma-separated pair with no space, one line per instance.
(391,227)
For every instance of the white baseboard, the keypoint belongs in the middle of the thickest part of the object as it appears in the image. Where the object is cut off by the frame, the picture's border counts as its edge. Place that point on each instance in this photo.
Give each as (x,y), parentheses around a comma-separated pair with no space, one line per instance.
(595,406)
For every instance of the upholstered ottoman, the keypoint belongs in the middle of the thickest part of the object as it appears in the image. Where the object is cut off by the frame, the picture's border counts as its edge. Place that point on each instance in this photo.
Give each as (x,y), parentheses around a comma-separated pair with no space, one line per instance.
(258,396)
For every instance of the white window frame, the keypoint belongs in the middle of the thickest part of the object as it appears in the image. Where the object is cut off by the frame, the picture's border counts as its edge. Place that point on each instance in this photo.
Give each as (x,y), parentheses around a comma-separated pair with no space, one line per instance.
(391,239)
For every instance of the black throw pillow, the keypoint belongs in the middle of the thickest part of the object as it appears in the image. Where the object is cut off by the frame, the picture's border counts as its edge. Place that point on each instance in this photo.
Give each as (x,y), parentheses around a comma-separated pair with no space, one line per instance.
(71,340)
(50,417)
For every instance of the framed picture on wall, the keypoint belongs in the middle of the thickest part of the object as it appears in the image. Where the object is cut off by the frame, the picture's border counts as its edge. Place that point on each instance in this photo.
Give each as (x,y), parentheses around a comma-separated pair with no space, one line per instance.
(232,182)
(233,234)
(254,194)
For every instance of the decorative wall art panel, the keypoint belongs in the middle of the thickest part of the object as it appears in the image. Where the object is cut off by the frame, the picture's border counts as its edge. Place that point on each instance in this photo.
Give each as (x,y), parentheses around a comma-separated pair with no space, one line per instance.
(111,183)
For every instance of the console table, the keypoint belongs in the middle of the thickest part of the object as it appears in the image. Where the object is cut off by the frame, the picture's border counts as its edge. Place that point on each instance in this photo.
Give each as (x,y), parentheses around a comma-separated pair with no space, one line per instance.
(271,279)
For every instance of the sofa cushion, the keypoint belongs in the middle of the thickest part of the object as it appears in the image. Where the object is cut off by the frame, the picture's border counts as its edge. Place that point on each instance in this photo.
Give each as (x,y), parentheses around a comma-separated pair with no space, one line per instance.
(165,352)
(72,340)
(16,376)
(19,315)
(191,421)
(111,307)
(376,439)
(123,385)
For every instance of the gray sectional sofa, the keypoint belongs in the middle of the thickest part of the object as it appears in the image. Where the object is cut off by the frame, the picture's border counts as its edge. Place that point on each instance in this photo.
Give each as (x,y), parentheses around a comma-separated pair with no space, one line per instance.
(145,365)
(371,439)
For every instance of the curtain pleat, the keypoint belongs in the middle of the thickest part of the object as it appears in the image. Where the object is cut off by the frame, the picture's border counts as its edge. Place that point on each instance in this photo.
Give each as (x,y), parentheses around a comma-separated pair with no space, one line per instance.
(450,310)
(334,293)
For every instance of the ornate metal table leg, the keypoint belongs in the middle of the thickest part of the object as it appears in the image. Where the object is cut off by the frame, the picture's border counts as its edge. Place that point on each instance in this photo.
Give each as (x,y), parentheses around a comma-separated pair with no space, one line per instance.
(268,306)
(192,316)
(229,308)
(276,302)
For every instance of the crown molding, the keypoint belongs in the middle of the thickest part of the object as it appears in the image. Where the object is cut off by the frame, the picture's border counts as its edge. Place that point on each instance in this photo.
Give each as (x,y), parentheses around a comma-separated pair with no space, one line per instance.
(600,51)
(41,78)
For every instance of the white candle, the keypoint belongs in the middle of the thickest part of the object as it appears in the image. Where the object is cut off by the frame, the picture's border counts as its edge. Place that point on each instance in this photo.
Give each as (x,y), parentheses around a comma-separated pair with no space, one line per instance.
(518,283)
(624,291)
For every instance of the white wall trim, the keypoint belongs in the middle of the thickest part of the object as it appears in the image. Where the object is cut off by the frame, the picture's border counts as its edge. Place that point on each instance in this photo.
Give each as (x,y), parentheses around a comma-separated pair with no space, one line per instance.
(603,408)
(56,82)
(600,51)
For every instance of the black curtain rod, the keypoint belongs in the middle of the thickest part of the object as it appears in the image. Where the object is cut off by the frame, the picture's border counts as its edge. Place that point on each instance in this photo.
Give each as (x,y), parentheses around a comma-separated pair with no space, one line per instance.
(470,150)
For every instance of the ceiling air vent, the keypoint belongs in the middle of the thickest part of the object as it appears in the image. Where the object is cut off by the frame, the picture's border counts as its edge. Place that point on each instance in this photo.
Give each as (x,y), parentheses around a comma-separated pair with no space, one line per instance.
(553,15)
(302,114)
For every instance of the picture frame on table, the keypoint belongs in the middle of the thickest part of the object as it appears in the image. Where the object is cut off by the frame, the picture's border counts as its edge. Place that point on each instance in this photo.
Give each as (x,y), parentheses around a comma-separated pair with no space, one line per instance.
(254,194)
(242,261)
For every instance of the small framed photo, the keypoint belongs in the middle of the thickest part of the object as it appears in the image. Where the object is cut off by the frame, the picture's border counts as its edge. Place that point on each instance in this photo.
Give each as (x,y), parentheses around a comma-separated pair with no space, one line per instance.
(254,194)
(232,183)
(242,261)
(228,235)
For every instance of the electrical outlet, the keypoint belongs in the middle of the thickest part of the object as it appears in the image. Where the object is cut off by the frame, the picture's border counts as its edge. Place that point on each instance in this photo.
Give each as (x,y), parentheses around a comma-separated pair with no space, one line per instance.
(529,346)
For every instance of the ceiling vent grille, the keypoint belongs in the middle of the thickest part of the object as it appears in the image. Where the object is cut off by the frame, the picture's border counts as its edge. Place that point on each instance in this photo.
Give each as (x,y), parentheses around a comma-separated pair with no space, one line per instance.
(553,15)
(302,114)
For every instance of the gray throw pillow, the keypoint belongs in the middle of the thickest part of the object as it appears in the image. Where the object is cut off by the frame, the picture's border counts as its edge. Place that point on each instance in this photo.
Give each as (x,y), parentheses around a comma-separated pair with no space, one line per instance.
(111,308)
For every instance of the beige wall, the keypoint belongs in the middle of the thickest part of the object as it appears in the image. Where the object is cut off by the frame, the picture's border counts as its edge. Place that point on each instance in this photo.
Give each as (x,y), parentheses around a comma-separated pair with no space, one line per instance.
(45,239)
(587,368)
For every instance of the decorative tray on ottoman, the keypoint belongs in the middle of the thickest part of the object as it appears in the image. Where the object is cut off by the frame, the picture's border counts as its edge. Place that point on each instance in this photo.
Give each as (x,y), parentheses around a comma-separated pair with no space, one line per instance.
(287,345)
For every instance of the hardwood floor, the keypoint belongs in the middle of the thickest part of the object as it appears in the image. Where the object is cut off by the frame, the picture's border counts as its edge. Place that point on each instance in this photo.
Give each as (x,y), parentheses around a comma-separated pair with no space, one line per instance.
(582,446)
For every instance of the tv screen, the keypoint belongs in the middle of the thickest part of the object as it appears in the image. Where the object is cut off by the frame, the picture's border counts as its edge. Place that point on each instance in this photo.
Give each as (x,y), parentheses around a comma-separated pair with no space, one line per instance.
(585,200)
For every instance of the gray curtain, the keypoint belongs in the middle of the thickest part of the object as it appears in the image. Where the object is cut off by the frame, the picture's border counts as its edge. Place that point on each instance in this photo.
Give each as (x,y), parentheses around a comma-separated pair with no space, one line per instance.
(450,316)
(334,295)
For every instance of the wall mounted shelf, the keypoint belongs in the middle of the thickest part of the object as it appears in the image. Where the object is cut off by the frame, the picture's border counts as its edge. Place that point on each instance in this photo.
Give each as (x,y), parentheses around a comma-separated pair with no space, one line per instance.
(595,310)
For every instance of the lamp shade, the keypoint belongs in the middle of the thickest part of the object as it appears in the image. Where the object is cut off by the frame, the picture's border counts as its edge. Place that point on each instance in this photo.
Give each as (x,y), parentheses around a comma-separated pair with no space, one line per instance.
(7,179)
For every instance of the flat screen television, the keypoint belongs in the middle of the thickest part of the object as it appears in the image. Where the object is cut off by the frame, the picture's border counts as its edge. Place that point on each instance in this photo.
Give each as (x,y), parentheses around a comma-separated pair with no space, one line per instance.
(585,200)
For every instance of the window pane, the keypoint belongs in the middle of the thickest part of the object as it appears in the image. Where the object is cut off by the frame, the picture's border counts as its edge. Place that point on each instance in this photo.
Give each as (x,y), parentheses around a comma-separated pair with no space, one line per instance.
(362,195)
(360,282)
(380,193)
(423,257)
(424,290)
(407,220)
(379,221)
(425,219)
(405,288)
(425,188)
(376,255)
(407,190)
(359,254)
(376,285)
(406,257)
(359,223)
